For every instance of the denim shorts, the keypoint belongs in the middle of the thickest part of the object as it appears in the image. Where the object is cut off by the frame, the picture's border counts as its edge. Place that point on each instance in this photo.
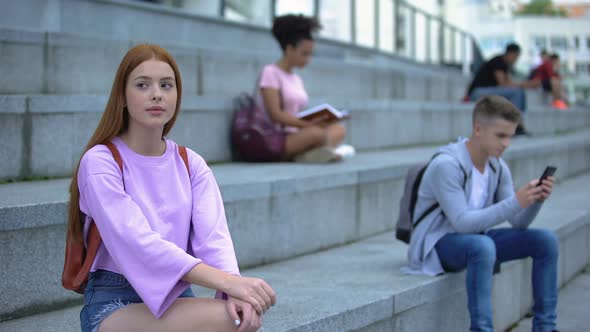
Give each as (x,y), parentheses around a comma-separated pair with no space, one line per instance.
(105,293)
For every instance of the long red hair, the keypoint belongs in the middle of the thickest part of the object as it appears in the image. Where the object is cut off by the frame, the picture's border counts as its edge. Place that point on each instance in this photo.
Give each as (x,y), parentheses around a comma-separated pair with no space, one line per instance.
(115,119)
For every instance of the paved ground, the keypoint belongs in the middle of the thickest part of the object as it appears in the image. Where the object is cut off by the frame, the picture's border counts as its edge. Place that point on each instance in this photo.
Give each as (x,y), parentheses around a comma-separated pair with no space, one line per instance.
(573,311)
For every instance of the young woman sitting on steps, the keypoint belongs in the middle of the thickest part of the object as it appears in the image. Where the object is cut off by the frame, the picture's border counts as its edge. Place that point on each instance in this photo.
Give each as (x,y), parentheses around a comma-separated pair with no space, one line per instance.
(280,93)
(162,228)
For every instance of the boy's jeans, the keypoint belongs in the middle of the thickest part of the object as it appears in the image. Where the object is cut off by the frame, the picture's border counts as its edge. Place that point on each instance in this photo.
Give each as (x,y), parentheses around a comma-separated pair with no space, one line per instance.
(480,252)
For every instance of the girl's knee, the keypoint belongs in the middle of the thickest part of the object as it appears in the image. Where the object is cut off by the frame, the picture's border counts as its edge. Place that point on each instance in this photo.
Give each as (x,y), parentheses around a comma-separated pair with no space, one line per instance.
(324,135)
(339,129)
(336,132)
(314,135)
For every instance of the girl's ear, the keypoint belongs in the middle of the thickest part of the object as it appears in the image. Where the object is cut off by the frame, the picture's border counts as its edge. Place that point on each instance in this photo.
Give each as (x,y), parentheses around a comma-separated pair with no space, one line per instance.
(289,49)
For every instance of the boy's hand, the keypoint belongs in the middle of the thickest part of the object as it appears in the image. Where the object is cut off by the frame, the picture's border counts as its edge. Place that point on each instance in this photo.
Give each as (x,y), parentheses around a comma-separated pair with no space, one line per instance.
(529,194)
(547,186)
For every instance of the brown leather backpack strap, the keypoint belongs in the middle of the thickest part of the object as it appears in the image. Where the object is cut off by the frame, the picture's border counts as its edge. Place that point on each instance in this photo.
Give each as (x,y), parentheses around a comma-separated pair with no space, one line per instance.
(116,155)
(93,239)
(183,154)
(79,260)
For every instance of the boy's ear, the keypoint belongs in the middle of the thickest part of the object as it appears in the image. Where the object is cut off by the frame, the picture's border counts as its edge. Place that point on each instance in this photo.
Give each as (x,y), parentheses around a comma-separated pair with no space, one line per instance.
(476,129)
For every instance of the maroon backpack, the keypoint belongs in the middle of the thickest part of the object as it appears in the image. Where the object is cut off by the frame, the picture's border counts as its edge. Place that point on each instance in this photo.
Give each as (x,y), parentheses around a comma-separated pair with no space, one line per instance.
(254,137)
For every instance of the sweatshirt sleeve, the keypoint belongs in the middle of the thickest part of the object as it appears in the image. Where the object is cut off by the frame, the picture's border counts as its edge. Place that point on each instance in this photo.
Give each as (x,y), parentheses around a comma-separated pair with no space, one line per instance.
(210,240)
(446,180)
(153,266)
(524,217)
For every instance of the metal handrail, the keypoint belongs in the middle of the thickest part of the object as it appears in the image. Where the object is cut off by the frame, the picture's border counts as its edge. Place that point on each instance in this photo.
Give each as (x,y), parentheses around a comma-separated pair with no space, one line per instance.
(405,42)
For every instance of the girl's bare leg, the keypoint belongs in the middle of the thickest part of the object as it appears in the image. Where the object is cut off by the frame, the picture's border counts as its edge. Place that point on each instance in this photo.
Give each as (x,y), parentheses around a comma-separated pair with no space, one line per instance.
(312,137)
(185,314)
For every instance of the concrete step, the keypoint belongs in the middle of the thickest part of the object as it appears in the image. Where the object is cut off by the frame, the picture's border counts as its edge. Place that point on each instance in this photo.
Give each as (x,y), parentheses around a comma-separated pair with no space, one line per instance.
(51,62)
(64,63)
(359,286)
(573,316)
(45,135)
(263,202)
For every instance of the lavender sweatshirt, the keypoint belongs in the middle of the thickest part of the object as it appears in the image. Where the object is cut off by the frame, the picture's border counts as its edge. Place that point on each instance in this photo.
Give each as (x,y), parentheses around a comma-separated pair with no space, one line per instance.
(145,221)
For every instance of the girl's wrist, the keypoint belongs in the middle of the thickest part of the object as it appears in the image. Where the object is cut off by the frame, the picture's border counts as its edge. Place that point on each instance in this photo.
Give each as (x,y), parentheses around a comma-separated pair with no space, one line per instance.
(226,283)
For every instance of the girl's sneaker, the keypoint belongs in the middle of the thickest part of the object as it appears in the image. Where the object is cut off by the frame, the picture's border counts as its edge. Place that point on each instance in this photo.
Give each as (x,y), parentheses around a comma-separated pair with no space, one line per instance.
(345,151)
(319,155)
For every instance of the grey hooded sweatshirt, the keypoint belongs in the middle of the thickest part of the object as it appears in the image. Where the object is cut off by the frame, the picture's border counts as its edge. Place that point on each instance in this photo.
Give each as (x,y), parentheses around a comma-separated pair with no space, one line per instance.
(443,182)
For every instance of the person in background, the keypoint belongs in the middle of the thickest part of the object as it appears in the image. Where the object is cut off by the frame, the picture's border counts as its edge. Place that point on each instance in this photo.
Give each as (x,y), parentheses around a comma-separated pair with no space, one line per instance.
(547,76)
(537,61)
(493,78)
(281,95)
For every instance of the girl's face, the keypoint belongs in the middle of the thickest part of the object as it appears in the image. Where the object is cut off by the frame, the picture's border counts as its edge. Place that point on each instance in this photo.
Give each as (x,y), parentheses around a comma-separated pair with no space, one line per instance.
(150,95)
(300,54)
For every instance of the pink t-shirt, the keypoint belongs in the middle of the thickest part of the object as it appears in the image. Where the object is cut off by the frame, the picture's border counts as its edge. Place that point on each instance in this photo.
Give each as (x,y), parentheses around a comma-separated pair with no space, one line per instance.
(293,95)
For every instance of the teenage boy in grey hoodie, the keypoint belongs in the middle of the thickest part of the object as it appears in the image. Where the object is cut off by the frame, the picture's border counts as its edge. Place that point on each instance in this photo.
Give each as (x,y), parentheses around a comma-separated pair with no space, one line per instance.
(474,189)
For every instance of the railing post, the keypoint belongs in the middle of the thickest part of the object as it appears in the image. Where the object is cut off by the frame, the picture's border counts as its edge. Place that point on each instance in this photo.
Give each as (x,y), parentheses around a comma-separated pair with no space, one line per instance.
(413,32)
(428,41)
(396,25)
(377,21)
(453,50)
(441,41)
(273,10)
(222,8)
(464,59)
(316,9)
(353,21)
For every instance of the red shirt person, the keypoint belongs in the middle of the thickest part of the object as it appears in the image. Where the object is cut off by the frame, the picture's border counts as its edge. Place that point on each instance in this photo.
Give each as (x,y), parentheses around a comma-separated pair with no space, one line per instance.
(548,76)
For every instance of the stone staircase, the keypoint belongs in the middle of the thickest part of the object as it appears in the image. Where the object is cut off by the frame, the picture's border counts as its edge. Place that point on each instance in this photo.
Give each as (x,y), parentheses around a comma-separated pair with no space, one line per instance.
(320,234)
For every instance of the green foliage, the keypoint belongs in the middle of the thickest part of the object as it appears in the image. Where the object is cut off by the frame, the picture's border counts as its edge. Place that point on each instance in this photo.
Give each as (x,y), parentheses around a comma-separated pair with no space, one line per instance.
(541,8)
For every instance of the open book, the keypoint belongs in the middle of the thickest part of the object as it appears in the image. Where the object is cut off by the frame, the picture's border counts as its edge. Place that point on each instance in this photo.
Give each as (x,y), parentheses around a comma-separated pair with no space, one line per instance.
(323,110)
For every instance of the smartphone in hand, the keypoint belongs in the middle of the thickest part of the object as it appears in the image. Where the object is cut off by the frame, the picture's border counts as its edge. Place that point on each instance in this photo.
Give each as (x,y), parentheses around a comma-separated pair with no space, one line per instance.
(549,171)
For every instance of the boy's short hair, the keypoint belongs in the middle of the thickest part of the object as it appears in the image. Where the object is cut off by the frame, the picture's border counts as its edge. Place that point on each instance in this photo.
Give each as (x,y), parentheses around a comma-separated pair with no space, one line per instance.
(489,108)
